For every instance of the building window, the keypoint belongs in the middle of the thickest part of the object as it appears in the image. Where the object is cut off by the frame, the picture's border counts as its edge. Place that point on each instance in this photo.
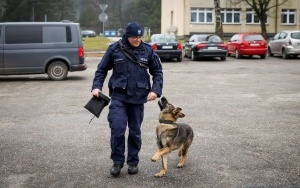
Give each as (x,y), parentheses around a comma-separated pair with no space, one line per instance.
(251,17)
(230,15)
(288,16)
(201,15)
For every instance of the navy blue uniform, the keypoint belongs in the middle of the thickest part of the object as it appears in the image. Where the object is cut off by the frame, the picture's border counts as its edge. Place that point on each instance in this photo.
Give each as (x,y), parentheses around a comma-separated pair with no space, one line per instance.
(129,86)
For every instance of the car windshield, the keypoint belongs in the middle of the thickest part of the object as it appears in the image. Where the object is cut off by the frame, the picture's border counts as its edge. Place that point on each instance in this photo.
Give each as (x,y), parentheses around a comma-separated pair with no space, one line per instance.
(164,38)
(253,37)
(201,38)
(209,38)
(295,35)
(214,38)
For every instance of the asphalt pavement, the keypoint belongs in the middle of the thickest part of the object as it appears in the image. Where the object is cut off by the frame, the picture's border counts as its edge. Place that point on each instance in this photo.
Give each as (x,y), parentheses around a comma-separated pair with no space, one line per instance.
(245,114)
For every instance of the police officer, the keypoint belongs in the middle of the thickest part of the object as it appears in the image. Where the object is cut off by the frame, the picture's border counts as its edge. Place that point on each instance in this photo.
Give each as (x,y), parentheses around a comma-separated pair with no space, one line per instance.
(129,88)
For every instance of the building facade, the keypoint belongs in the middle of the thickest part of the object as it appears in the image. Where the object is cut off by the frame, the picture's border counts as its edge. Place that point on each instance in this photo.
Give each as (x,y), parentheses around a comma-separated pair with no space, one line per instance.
(187,17)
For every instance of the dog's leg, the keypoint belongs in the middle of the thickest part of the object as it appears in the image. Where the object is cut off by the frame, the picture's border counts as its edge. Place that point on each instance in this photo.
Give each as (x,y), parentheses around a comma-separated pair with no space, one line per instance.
(164,160)
(156,155)
(160,152)
(183,157)
(180,150)
(182,161)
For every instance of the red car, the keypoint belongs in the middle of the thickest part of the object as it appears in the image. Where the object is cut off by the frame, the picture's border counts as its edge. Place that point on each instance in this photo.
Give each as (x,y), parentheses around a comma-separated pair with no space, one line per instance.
(247,44)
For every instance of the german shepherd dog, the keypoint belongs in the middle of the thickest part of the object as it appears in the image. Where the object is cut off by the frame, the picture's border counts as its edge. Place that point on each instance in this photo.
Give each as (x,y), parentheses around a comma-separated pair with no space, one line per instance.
(171,135)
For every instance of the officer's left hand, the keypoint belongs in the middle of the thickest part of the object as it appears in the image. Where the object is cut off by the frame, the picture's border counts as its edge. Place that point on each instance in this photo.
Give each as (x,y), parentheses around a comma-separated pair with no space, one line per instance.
(151,96)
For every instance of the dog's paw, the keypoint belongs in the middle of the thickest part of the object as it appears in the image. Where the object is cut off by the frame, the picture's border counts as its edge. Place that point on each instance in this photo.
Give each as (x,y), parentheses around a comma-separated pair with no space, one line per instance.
(179,165)
(159,175)
(153,159)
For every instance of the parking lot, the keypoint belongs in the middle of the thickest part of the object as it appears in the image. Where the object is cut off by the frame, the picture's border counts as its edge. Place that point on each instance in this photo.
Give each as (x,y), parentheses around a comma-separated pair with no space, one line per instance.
(245,114)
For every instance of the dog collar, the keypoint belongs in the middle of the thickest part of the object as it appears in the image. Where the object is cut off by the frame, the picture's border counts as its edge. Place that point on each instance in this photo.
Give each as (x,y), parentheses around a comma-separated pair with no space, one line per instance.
(166,121)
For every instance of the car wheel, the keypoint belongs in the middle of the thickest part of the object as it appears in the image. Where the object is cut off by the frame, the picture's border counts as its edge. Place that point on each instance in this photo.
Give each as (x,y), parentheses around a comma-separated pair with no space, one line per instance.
(270,52)
(284,54)
(237,54)
(57,70)
(223,58)
(263,56)
(179,59)
(193,56)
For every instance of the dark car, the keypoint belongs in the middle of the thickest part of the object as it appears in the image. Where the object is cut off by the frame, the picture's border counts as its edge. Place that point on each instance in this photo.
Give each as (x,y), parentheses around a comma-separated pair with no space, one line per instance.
(205,45)
(88,33)
(166,46)
(247,44)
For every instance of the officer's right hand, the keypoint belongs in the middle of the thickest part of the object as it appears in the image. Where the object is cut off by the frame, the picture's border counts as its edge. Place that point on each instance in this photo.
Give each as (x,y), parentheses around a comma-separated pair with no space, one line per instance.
(96,92)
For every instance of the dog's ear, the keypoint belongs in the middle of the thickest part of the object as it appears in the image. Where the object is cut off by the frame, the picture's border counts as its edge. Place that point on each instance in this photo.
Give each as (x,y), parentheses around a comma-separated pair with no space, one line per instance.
(177,113)
(160,105)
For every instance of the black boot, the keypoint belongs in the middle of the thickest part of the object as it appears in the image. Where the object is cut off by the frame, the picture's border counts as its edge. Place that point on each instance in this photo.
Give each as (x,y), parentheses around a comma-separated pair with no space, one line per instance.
(133,169)
(116,169)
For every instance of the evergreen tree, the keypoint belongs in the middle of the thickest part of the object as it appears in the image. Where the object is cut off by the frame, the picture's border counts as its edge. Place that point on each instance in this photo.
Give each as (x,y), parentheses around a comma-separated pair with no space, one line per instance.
(37,10)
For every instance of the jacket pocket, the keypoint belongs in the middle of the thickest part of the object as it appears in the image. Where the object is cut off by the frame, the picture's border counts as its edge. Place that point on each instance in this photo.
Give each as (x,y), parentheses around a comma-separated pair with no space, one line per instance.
(143,88)
(120,66)
(118,82)
(121,86)
(143,85)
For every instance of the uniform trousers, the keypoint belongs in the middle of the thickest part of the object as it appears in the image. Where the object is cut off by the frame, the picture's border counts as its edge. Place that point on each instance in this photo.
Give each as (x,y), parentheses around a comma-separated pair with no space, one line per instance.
(121,115)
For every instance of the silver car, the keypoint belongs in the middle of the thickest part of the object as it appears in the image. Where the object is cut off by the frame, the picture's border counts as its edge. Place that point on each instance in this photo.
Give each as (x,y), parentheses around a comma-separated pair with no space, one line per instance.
(285,44)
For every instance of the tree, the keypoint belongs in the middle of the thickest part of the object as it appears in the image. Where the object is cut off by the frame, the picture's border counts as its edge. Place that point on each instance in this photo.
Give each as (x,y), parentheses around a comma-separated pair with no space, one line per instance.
(37,10)
(15,10)
(89,18)
(64,10)
(90,11)
(261,7)
(148,13)
(219,26)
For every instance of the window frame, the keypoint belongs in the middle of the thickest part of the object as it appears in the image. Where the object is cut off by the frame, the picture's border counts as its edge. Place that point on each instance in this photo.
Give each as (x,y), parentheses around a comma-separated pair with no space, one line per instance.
(230,12)
(251,12)
(31,34)
(208,16)
(288,13)
(37,34)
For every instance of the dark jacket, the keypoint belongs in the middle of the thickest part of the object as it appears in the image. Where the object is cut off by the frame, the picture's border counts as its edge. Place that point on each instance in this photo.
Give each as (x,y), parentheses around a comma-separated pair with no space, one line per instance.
(130,82)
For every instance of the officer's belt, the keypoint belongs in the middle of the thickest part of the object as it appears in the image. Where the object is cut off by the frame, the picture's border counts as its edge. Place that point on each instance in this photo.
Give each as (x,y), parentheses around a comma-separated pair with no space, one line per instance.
(130,55)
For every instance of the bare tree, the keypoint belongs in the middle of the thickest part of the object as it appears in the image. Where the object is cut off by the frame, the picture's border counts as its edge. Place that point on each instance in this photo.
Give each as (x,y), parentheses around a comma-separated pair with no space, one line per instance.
(219,26)
(261,7)
(119,7)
